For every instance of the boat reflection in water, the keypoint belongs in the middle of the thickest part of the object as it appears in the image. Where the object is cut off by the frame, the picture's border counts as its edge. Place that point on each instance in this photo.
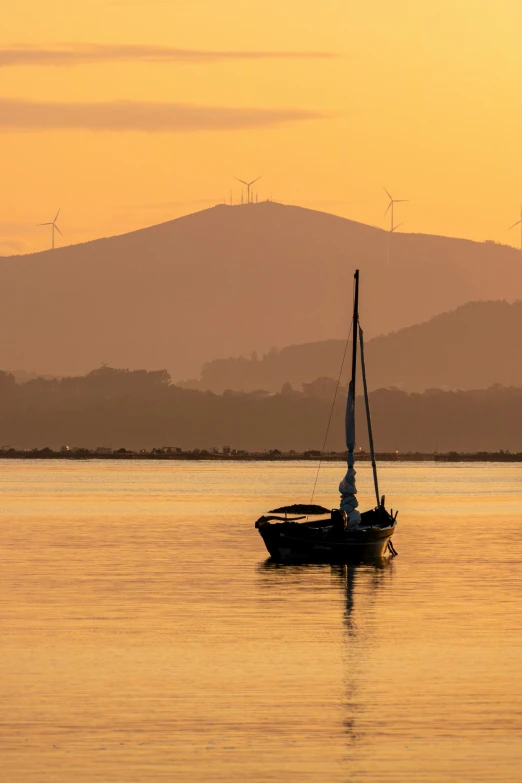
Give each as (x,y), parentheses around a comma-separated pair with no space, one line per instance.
(374,576)
(369,577)
(330,619)
(362,585)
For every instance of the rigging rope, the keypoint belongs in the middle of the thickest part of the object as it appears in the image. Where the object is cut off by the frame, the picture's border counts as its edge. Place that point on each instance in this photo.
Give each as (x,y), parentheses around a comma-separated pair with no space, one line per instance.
(331,412)
(368,417)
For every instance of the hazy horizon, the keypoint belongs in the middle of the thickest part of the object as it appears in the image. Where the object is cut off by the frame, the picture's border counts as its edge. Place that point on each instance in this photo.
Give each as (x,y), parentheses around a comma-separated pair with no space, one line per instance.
(444,352)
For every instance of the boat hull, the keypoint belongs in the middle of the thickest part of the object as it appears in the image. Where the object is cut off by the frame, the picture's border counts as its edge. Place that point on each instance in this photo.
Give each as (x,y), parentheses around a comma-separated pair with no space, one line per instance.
(287,542)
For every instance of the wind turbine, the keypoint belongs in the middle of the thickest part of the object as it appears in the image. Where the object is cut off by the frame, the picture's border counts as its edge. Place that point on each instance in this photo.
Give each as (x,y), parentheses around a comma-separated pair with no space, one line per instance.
(53,224)
(248,184)
(518,223)
(390,206)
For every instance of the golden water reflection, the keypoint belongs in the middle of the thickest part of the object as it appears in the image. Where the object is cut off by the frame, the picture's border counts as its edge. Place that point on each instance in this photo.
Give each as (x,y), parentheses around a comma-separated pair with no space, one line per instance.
(145,637)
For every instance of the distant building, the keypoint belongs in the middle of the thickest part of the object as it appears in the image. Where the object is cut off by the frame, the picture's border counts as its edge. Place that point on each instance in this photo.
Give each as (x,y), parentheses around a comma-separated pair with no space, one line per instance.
(65,448)
(103,450)
(226,450)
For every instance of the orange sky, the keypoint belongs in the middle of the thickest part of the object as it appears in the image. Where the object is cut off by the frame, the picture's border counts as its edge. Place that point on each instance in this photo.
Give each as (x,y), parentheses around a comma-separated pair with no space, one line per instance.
(423,98)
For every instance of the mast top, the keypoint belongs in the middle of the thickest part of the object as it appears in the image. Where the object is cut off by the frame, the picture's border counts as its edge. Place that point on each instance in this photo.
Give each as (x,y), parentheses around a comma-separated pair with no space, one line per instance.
(355,326)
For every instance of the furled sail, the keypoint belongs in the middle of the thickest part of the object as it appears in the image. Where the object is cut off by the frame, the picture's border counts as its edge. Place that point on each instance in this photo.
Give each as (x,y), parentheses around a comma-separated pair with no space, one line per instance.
(347,486)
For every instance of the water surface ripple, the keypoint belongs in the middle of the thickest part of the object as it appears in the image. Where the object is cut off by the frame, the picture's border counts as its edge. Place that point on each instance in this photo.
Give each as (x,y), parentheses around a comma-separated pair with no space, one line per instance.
(145,637)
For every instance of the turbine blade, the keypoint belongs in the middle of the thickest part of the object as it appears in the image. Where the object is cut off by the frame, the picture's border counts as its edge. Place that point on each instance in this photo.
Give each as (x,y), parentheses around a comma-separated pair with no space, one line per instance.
(515,224)
(56,227)
(255,180)
(401,200)
(396,227)
(241,180)
(391,199)
(44,224)
(388,208)
(56,218)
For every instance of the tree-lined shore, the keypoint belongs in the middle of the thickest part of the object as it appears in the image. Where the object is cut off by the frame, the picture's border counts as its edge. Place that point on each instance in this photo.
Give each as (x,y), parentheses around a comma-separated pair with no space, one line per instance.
(138,410)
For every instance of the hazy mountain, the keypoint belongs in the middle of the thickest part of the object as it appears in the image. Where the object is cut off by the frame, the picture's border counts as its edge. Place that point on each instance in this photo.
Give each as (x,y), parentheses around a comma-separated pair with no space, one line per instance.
(229,280)
(471,347)
(117,408)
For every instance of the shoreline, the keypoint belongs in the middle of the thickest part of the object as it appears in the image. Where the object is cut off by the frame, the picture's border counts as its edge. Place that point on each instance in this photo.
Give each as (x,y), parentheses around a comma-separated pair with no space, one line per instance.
(204,456)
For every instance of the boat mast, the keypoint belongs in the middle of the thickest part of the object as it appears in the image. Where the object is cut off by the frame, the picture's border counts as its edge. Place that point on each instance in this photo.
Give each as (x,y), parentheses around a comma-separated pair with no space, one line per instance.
(368,417)
(355,327)
(347,487)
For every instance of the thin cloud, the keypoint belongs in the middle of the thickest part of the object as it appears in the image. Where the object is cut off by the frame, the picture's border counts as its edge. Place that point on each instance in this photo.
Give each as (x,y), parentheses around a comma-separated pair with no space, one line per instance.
(141,116)
(81,54)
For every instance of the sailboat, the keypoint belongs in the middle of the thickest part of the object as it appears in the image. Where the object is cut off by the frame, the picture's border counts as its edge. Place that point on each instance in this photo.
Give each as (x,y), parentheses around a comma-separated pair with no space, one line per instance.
(344,534)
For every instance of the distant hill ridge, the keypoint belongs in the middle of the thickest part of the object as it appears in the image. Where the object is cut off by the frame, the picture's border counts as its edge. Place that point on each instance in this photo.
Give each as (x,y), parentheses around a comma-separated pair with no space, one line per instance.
(228,280)
(471,347)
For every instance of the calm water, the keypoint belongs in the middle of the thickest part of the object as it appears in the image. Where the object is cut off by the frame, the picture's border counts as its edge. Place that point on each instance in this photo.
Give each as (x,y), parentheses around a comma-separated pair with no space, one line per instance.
(146,638)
